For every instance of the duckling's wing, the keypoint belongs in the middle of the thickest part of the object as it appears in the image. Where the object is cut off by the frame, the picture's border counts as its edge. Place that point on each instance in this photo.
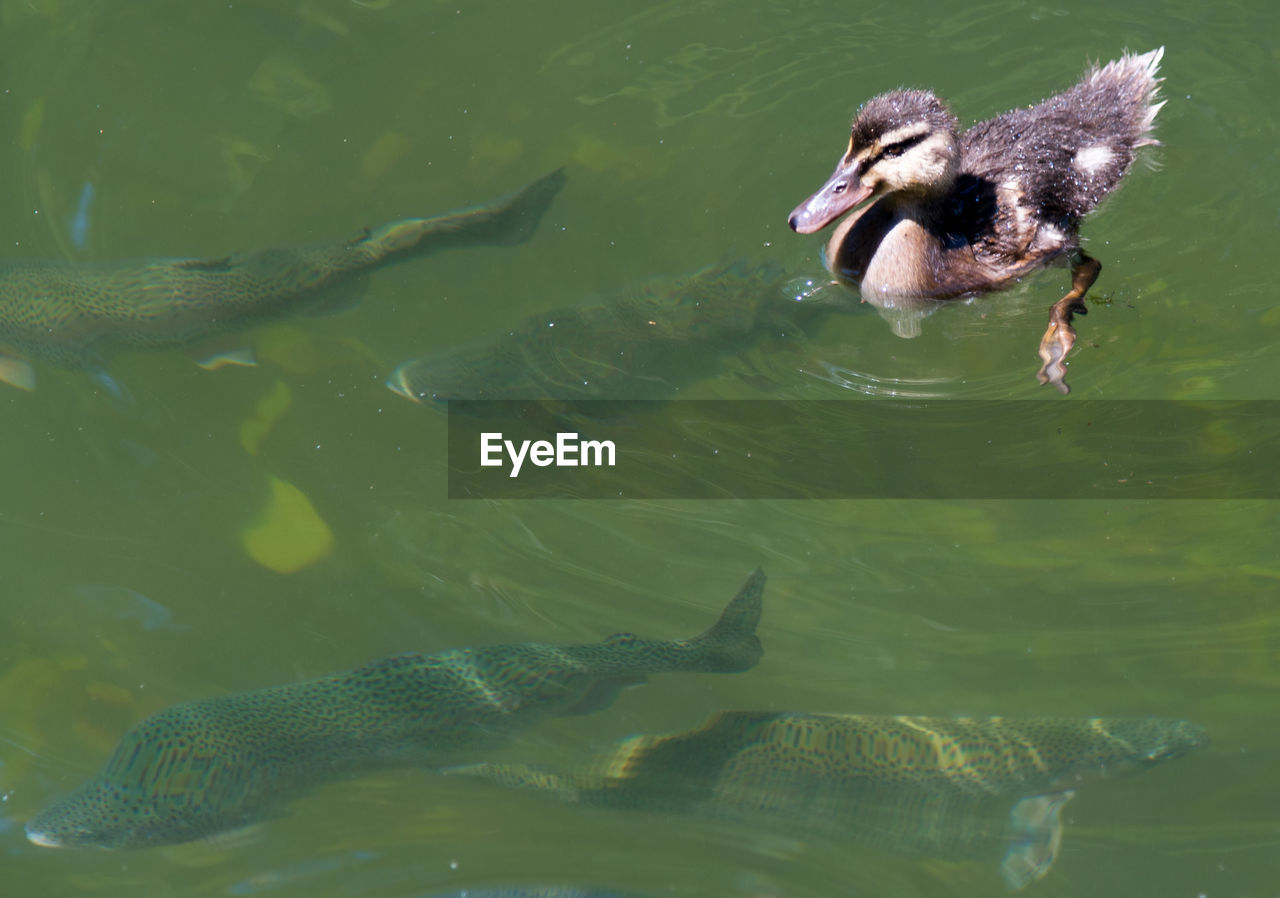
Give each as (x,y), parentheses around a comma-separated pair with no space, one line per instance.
(1067,152)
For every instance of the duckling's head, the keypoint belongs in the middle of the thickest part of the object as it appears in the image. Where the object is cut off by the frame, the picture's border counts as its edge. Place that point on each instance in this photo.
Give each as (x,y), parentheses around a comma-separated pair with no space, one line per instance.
(901,142)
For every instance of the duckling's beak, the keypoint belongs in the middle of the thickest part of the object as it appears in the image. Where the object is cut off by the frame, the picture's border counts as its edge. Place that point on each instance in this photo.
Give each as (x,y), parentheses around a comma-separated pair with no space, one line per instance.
(841,193)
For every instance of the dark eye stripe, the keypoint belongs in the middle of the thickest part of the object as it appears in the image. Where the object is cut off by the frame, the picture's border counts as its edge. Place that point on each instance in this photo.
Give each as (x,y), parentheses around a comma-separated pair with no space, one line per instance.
(896,149)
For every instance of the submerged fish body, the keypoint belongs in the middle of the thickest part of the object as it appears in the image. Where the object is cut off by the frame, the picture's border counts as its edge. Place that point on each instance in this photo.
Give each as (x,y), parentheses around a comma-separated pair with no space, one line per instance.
(73,314)
(962,787)
(642,345)
(124,604)
(204,767)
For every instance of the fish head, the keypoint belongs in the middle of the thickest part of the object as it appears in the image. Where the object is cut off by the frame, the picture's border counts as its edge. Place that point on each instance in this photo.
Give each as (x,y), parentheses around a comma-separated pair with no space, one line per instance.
(110,815)
(1118,746)
(1150,741)
(487,371)
(173,778)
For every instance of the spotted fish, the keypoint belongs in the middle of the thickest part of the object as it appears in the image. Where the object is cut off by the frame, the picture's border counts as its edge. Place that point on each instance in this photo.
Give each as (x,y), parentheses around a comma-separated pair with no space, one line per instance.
(203,767)
(961,787)
(75,314)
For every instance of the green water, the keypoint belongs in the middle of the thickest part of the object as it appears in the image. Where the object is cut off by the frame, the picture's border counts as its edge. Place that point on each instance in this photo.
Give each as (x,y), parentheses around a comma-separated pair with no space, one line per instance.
(690,130)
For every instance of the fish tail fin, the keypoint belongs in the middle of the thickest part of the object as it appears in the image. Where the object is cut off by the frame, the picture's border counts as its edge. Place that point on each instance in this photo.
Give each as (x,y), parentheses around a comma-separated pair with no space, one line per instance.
(514,218)
(505,221)
(730,645)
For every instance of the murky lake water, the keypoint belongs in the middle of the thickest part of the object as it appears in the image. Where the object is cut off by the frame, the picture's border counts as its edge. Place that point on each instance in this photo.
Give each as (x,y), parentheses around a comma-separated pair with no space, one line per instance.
(168,533)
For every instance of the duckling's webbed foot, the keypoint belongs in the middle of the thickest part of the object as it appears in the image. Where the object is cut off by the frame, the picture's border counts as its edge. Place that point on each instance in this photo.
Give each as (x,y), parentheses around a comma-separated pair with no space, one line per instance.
(1060,336)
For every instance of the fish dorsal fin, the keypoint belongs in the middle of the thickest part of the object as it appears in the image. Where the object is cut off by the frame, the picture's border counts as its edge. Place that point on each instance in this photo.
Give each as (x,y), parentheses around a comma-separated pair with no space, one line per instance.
(1037,835)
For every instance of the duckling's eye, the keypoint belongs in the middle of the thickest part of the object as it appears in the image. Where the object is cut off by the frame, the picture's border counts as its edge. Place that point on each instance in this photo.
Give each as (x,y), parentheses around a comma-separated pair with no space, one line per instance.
(893,150)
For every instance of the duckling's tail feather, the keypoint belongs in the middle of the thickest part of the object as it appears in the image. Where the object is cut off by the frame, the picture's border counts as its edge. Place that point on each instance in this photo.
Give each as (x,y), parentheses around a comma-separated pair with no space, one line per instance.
(1128,88)
(1095,129)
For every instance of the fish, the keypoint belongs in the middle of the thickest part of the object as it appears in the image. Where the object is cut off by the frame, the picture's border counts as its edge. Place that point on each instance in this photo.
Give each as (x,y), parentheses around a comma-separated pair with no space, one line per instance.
(214,765)
(944,787)
(124,604)
(645,344)
(76,314)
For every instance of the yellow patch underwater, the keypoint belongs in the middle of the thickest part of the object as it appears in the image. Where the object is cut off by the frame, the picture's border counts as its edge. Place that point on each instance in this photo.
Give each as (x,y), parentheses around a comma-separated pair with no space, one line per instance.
(289,534)
(269,409)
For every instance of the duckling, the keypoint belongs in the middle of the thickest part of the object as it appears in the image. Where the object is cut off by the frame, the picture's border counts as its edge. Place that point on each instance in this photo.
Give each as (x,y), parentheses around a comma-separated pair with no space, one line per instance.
(958,213)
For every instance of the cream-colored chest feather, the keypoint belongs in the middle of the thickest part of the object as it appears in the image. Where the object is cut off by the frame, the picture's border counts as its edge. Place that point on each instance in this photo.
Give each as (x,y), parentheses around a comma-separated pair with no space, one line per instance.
(905,262)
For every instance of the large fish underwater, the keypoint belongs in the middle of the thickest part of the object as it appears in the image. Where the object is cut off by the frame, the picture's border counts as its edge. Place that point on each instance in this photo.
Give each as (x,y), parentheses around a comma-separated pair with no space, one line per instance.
(966,787)
(204,767)
(76,314)
(646,343)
